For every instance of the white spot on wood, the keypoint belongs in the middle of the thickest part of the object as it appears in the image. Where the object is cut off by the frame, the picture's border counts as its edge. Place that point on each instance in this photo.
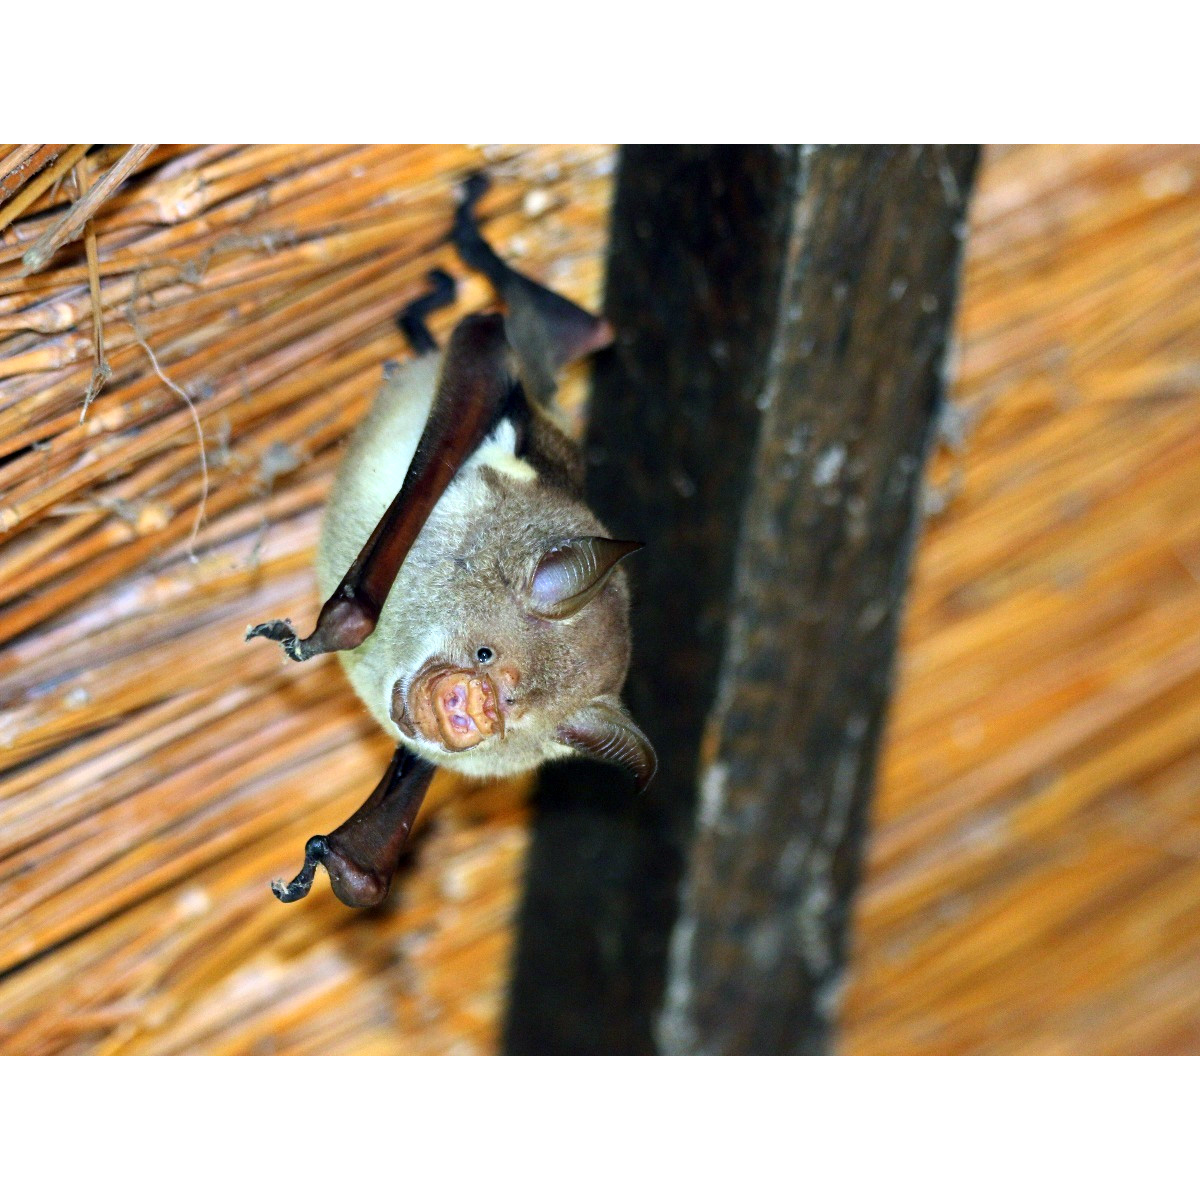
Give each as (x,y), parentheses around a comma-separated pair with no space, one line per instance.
(872,615)
(766,946)
(714,790)
(829,465)
(676,1031)
(827,997)
(796,442)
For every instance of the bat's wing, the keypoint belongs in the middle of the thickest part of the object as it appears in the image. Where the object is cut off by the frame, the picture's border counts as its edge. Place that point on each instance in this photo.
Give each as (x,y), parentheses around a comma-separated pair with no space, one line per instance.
(546,330)
(478,387)
(362,854)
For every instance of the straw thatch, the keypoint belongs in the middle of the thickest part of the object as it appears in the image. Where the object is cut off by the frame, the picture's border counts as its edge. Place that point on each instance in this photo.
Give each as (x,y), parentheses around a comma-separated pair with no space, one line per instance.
(1034,874)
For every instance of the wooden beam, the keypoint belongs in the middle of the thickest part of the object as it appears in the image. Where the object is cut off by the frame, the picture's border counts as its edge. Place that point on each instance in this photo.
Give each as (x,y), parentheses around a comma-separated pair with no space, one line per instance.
(762,424)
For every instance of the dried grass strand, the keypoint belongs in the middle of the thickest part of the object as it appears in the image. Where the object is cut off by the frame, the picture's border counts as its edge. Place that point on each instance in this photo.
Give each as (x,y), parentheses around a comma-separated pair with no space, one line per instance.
(102,372)
(139,337)
(42,183)
(73,220)
(21,164)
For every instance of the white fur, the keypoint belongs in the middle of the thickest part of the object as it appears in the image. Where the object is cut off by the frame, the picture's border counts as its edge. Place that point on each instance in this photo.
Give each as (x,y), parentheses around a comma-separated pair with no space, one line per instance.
(500,453)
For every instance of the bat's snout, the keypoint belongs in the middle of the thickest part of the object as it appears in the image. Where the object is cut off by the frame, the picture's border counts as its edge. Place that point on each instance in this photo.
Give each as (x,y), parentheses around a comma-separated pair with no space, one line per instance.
(466,710)
(455,708)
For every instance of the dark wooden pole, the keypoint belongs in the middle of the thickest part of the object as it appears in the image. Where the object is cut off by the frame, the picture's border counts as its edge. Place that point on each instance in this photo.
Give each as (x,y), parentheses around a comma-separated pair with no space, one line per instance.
(762,423)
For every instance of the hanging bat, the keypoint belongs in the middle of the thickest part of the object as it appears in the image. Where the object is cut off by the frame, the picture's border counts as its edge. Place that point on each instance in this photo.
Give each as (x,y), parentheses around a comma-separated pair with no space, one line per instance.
(477,603)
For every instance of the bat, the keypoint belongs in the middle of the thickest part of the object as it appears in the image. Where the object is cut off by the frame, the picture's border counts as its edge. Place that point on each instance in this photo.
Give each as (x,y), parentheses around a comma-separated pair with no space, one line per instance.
(478,606)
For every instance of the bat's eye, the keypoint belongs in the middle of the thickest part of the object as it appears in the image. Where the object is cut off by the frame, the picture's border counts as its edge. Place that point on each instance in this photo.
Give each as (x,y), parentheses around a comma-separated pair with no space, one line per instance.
(485,654)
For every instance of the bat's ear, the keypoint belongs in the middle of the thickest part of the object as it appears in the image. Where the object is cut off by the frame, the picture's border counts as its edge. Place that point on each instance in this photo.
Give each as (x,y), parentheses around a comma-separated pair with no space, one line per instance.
(606,732)
(572,572)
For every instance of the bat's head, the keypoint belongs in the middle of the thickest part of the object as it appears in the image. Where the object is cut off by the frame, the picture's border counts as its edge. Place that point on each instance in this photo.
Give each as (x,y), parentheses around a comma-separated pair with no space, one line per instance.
(528,657)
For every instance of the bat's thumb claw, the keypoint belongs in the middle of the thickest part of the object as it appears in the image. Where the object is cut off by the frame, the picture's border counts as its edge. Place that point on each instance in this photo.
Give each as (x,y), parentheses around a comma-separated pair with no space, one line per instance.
(297,649)
(276,631)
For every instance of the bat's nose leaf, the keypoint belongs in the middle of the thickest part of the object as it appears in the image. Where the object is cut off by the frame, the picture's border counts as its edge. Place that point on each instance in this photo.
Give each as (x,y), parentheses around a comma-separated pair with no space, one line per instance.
(455,707)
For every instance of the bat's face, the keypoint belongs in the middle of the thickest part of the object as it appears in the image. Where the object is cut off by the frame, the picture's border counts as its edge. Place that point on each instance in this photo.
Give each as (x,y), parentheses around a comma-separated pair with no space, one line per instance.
(526,642)
(519,655)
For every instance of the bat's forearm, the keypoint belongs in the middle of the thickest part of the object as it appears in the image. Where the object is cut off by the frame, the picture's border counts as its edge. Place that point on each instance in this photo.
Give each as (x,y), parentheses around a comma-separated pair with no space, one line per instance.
(476,390)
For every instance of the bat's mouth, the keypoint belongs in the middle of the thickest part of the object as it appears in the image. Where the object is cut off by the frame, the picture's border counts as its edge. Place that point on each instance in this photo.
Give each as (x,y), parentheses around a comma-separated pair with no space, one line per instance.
(450,706)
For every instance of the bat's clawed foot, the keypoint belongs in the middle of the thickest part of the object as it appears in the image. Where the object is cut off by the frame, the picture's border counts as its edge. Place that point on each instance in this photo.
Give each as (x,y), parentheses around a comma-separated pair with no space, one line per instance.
(283,633)
(356,884)
(443,291)
(314,852)
(362,854)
